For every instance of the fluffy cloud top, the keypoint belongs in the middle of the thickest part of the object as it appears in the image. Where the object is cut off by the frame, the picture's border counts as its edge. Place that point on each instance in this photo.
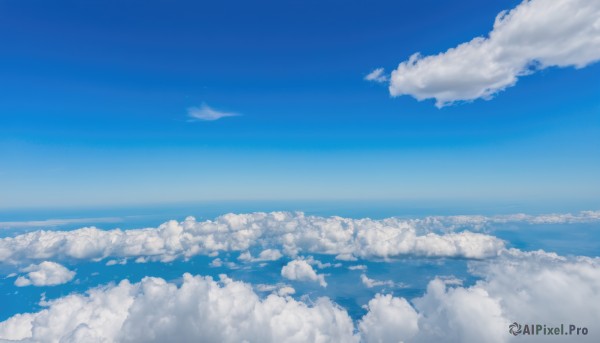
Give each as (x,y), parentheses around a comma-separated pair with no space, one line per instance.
(44,274)
(300,270)
(537,34)
(206,113)
(389,319)
(532,287)
(156,311)
(292,233)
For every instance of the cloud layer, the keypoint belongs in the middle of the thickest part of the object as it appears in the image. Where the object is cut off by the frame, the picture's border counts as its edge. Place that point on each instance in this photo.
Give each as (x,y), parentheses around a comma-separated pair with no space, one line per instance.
(526,287)
(290,233)
(44,274)
(535,35)
(532,287)
(154,310)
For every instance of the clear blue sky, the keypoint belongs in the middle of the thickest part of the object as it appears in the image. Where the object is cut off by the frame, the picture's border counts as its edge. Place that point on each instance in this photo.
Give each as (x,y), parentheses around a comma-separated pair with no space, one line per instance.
(94,99)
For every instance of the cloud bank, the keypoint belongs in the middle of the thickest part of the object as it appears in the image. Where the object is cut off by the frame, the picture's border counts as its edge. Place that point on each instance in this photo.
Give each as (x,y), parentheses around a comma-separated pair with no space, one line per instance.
(290,233)
(535,35)
(154,310)
(526,287)
(44,274)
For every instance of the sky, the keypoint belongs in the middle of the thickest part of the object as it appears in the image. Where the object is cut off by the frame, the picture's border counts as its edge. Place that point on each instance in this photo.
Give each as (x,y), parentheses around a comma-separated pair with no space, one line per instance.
(117,103)
(299,171)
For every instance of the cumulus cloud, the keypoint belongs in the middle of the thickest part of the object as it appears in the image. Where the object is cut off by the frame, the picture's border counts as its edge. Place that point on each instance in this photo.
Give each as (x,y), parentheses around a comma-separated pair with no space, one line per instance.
(526,287)
(285,232)
(300,270)
(377,75)
(206,113)
(389,319)
(535,35)
(154,310)
(44,274)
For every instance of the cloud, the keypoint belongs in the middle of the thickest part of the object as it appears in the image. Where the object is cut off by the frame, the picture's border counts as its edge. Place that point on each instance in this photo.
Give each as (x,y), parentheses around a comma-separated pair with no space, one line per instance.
(370,283)
(154,310)
(526,287)
(44,274)
(56,222)
(280,289)
(358,267)
(377,75)
(265,255)
(535,35)
(389,319)
(300,270)
(206,113)
(289,233)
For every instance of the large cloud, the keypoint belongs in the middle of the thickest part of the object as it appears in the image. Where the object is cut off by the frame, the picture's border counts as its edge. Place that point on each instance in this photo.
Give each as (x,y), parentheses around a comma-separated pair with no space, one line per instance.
(44,274)
(537,34)
(529,288)
(293,233)
(272,234)
(157,311)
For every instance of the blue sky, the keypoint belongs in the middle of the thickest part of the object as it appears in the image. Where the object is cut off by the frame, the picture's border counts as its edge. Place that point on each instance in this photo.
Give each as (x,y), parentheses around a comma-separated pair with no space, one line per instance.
(95,99)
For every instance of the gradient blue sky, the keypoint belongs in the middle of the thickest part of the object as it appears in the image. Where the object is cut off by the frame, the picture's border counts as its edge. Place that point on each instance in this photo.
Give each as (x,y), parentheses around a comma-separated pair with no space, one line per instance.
(94,98)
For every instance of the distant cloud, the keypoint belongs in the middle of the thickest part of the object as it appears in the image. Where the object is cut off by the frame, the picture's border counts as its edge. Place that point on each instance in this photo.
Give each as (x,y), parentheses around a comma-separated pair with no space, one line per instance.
(370,283)
(300,270)
(377,76)
(273,233)
(206,113)
(56,222)
(44,274)
(535,35)
(279,233)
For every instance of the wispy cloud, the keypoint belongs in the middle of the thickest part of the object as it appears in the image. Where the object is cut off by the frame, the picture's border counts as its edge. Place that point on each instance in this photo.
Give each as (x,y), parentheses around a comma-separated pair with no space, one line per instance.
(207,113)
(377,75)
(57,222)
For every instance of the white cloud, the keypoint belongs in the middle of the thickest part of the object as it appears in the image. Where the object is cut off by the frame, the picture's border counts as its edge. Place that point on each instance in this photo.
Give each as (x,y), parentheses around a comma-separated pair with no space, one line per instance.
(288,233)
(56,222)
(154,310)
(44,274)
(535,35)
(377,75)
(280,289)
(358,267)
(389,319)
(265,255)
(526,287)
(217,262)
(206,113)
(370,283)
(300,270)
